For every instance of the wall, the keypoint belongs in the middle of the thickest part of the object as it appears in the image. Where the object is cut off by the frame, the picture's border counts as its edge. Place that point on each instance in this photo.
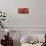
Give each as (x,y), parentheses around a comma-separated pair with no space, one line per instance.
(36,7)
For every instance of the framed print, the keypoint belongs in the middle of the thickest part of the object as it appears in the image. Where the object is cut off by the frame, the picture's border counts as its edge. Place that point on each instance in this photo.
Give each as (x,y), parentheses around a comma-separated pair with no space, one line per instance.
(23,10)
